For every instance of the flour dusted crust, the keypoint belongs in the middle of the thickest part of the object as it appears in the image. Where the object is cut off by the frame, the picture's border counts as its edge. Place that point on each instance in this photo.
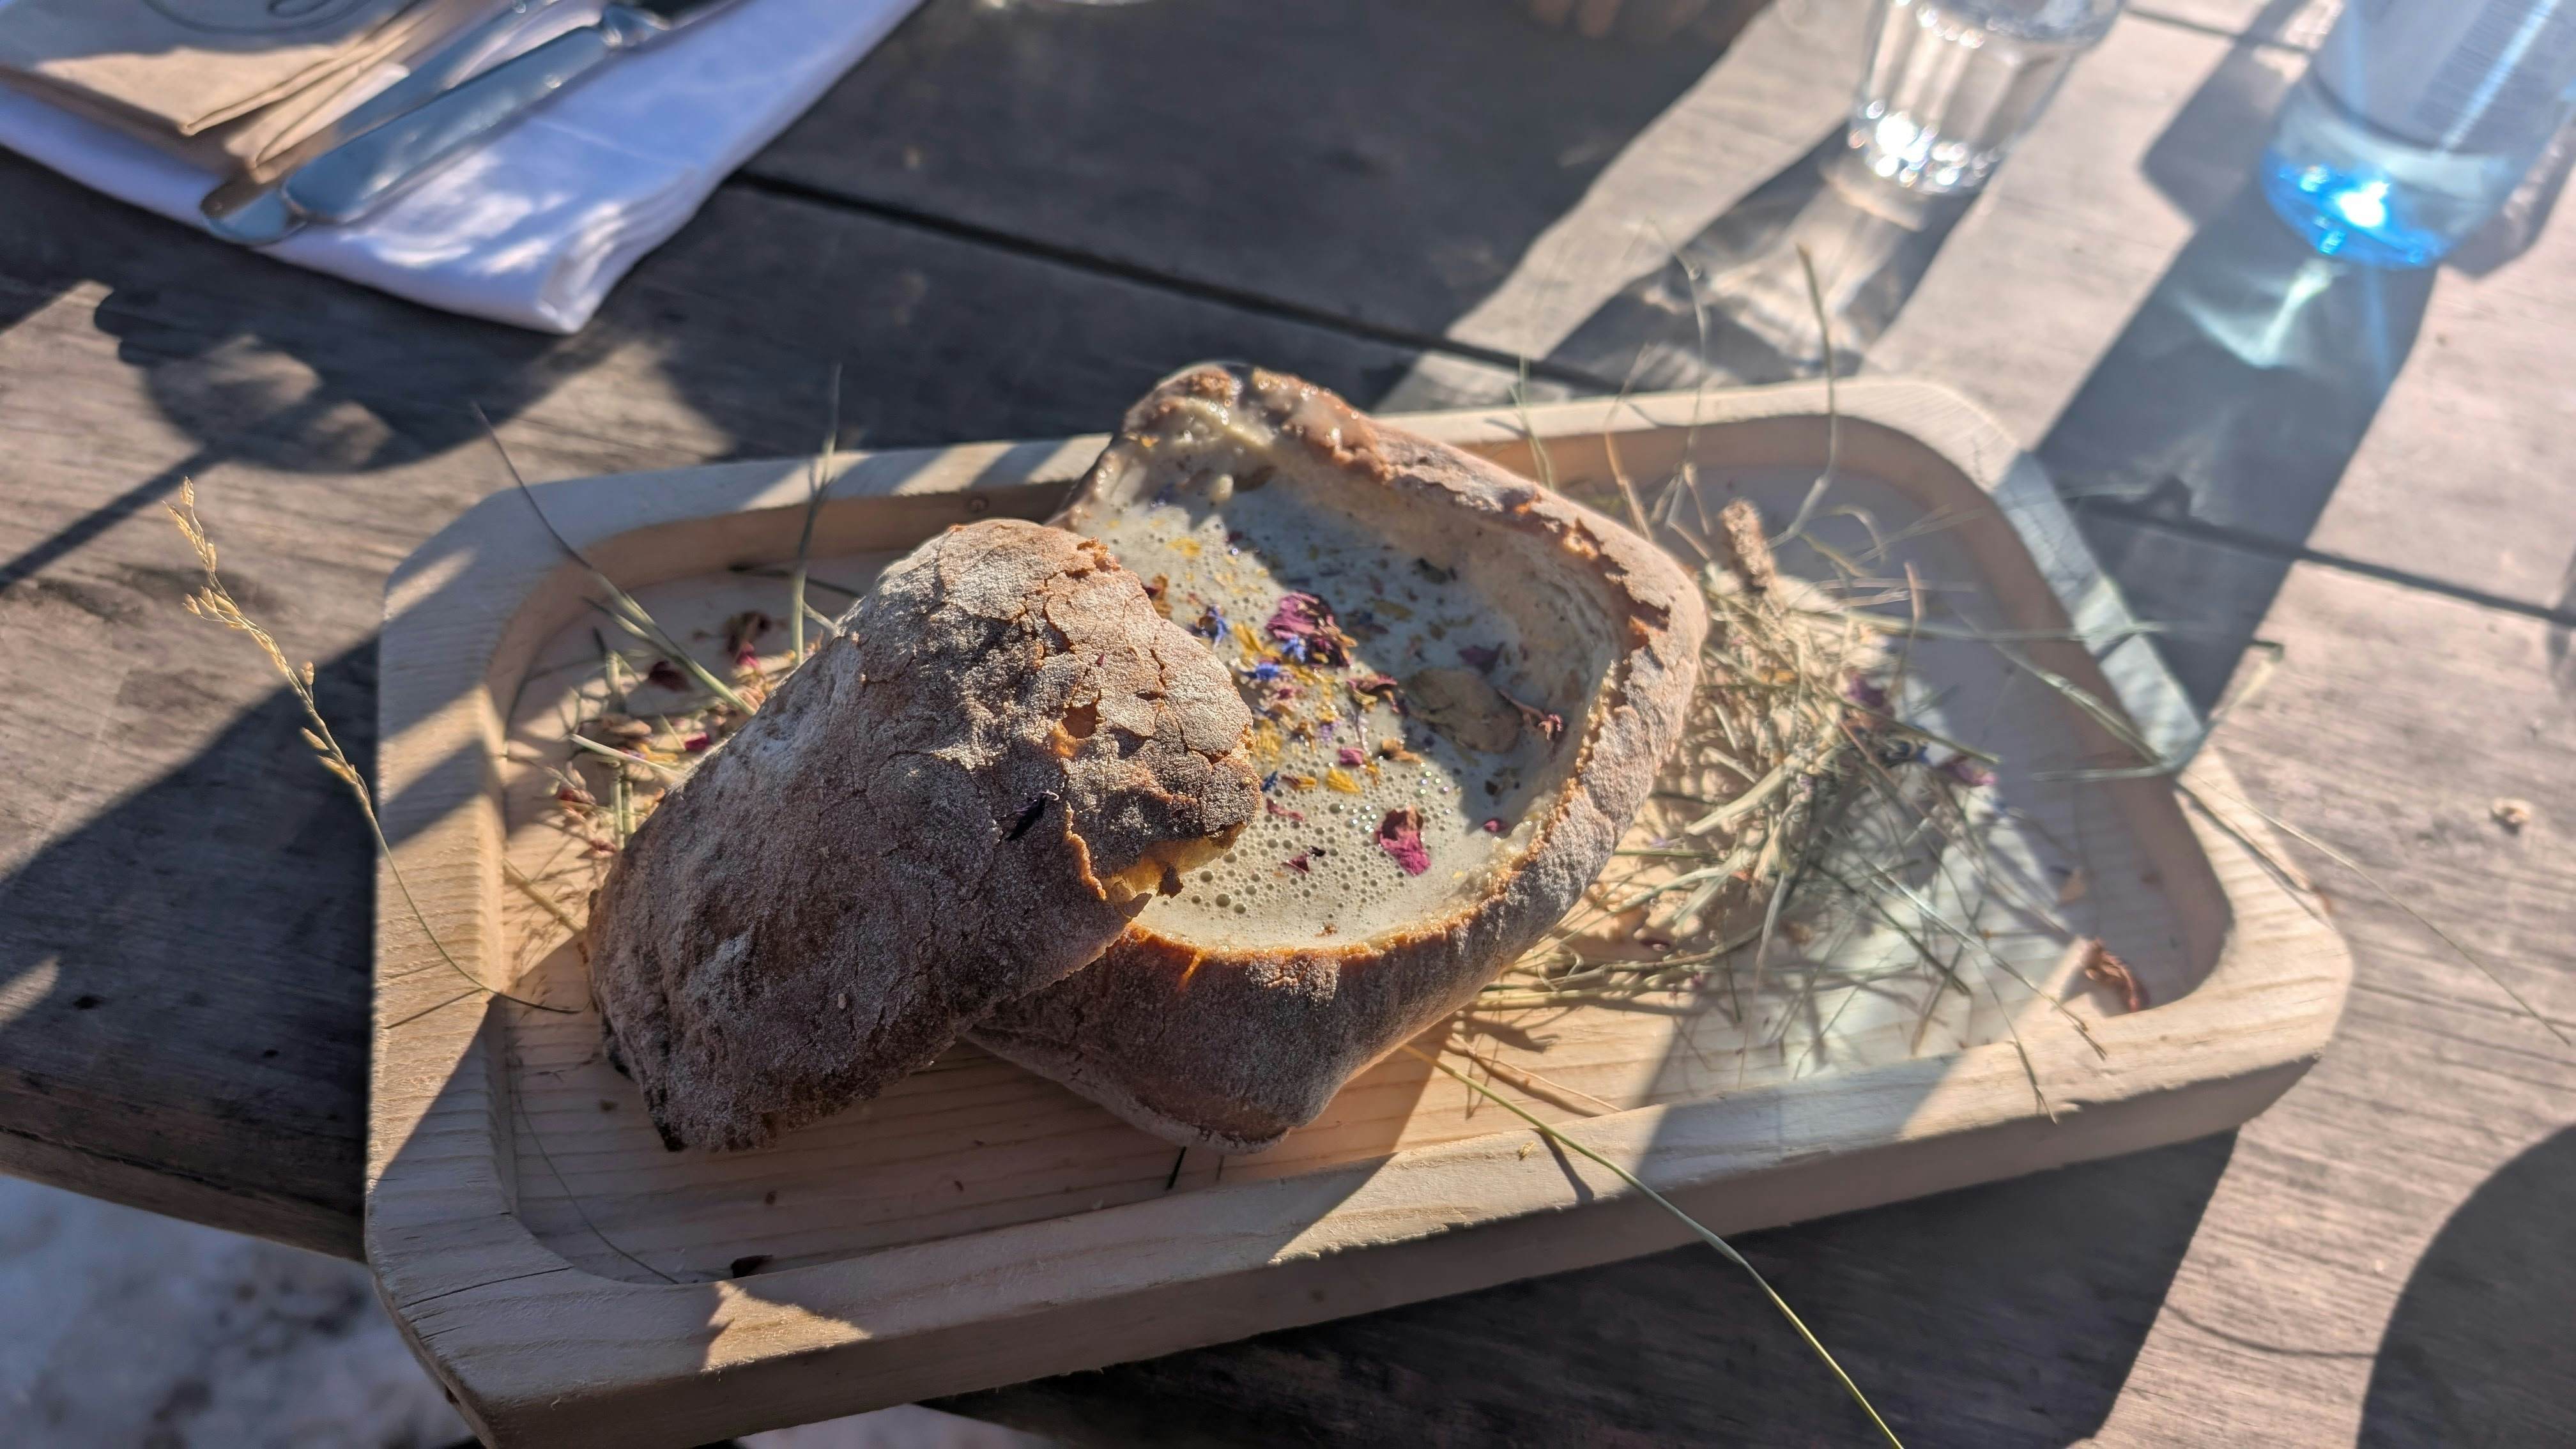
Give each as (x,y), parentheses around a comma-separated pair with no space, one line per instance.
(1225,1038)
(992,763)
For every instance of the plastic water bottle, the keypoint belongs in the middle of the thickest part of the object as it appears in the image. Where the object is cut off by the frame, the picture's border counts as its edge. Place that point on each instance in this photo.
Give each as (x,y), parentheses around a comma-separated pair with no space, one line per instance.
(2416,122)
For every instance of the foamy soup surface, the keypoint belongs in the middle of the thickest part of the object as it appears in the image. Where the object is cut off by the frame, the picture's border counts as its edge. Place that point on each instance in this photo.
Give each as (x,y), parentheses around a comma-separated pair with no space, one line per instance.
(1400,733)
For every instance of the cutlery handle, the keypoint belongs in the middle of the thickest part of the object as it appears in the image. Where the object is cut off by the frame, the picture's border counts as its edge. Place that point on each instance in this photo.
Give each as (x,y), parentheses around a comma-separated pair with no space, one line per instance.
(434,74)
(344,183)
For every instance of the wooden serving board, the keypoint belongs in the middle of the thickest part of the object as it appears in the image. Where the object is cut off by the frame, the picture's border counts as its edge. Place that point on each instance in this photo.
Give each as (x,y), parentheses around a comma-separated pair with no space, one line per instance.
(574,1283)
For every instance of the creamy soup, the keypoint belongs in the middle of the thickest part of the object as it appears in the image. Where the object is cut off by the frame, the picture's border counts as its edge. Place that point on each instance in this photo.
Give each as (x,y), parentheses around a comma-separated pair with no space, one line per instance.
(1400,727)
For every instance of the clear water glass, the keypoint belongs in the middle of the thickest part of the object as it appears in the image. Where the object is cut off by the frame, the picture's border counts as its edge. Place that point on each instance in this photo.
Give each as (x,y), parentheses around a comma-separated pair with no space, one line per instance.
(1951,84)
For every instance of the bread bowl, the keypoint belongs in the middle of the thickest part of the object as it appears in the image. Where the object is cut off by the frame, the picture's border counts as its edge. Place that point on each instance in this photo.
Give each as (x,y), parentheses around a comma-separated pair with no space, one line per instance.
(1463,685)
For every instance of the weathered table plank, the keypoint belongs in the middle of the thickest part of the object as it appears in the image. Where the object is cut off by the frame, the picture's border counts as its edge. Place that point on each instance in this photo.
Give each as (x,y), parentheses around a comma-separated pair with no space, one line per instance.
(1358,208)
(2372,1258)
(1237,144)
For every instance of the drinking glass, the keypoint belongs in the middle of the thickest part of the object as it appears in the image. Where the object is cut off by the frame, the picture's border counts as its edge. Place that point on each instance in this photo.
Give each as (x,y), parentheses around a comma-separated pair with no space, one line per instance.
(1951,84)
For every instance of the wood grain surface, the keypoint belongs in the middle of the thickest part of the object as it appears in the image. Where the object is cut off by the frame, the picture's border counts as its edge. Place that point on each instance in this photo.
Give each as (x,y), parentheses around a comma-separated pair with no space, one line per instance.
(184,895)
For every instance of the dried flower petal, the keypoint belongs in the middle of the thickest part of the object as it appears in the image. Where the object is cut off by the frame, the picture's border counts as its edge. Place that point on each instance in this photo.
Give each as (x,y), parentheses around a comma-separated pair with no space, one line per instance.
(1400,836)
(618,729)
(1382,686)
(1351,755)
(1304,627)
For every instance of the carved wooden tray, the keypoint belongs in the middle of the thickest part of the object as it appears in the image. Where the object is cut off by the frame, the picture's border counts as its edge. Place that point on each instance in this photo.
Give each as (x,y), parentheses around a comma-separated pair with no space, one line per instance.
(574,1283)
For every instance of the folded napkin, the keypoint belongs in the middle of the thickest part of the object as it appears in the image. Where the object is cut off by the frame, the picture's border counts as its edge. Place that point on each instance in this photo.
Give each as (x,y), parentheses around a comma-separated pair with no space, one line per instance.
(536,226)
(191,64)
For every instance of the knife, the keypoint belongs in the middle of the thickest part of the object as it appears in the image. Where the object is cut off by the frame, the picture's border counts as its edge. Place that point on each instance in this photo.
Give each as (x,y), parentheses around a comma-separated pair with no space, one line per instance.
(246,208)
(349,180)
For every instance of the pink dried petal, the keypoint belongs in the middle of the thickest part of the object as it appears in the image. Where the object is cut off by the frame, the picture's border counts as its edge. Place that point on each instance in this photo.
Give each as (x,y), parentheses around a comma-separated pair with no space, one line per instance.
(1349,755)
(1305,624)
(1400,836)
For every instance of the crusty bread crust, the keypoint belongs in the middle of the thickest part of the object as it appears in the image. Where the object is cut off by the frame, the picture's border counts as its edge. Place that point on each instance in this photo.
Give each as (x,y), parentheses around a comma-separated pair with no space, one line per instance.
(991,764)
(1231,1049)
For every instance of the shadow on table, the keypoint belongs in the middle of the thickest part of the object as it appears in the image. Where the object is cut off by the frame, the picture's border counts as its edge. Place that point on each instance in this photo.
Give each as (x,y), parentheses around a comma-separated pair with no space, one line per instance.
(1384,164)
(1732,304)
(258,365)
(247,872)
(2023,1304)
(2225,414)
(2206,444)
(2479,1350)
(2226,410)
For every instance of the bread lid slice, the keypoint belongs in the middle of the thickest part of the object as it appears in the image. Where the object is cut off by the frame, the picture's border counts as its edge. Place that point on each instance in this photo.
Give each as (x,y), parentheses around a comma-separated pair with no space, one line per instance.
(1462,685)
(994,760)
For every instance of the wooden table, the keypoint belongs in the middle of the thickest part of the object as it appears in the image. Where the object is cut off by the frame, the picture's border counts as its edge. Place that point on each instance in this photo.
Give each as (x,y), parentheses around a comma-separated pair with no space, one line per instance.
(1014,217)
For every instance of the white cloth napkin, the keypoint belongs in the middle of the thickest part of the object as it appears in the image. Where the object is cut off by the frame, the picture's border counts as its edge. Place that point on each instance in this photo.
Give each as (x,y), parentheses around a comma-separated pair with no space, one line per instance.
(536,226)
